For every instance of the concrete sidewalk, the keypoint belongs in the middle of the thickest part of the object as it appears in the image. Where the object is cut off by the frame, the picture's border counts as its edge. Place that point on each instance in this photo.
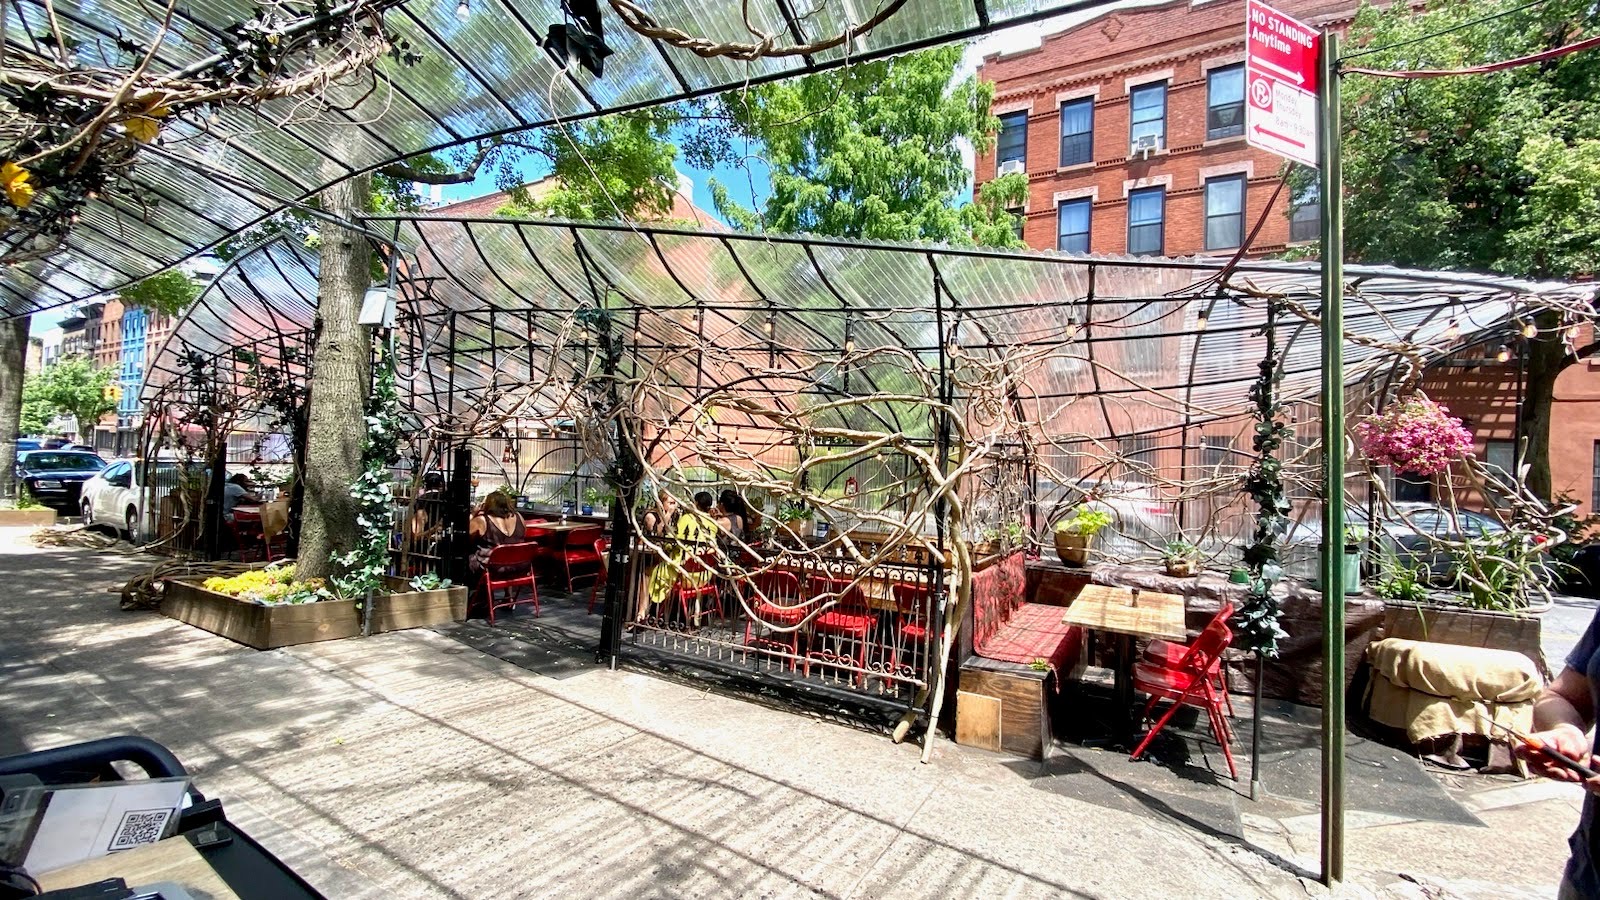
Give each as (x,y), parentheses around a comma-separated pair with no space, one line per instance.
(410,765)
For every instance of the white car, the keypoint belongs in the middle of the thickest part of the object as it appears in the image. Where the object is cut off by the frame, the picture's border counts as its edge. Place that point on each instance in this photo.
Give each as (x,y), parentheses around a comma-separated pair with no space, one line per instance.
(115,497)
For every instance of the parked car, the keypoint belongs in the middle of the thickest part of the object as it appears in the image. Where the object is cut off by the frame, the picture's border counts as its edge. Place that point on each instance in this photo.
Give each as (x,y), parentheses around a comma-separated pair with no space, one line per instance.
(115,496)
(1413,532)
(25,445)
(55,477)
(1141,521)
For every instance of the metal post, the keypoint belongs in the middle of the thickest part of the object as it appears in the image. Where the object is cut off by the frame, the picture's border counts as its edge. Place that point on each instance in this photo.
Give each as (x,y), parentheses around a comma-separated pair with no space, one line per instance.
(1333,466)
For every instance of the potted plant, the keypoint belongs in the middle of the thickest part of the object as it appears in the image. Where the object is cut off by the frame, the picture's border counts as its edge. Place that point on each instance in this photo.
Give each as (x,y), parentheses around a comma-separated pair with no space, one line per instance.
(795,516)
(1075,534)
(1182,559)
(1354,537)
(594,498)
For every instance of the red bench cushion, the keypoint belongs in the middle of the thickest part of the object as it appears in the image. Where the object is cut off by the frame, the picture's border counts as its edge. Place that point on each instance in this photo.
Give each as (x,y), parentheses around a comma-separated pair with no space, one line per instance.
(1034,631)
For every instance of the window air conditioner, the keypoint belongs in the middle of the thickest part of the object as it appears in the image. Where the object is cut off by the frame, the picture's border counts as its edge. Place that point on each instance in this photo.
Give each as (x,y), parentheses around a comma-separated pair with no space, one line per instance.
(1144,144)
(1011,167)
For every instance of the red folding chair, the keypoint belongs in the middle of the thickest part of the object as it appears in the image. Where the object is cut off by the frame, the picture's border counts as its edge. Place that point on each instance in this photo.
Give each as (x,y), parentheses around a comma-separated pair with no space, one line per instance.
(850,619)
(1168,653)
(1188,684)
(510,569)
(777,601)
(578,553)
(602,547)
(249,537)
(686,592)
(911,616)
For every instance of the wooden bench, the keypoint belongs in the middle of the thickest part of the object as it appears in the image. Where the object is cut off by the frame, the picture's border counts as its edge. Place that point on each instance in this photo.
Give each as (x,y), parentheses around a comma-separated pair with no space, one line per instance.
(1021,654)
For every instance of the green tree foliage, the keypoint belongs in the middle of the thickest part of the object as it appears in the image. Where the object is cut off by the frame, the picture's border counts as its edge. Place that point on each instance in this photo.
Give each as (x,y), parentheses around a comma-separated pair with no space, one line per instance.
(1496,173)
(70,387)
(169,292)
(606,168)
(871,151)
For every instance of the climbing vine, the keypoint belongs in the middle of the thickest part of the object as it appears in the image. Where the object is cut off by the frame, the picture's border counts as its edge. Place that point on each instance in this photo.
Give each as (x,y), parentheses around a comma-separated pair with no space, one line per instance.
(363,567)
(1257,620)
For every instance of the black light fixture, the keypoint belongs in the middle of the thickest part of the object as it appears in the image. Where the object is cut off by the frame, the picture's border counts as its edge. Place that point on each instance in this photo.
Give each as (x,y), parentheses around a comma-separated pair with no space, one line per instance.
(580,36)
(1504,355)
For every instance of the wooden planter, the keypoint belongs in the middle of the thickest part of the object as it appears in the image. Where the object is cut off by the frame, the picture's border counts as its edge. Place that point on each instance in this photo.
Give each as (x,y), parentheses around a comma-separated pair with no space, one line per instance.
(417,609)
(1446,624)
(270,627)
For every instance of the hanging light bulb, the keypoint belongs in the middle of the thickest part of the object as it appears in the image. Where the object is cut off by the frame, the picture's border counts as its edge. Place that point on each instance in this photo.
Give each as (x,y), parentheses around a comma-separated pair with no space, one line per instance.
(1452,331)
(1530,330)
(463,11)
(849,345)
(1071,331)
(771,325)
(1571,333)
(1504,355)
(1202,320)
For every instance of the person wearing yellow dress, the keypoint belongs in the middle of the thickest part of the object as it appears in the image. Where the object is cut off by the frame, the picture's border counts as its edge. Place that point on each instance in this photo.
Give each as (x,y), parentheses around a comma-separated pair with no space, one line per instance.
(696,533)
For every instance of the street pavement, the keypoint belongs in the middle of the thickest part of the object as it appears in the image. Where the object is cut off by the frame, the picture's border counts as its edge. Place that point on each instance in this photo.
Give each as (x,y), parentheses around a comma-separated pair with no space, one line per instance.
(411,765)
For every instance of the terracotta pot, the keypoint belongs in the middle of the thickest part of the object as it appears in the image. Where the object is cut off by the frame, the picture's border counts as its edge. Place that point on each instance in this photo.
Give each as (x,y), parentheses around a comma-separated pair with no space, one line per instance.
(1072,548)
(1182,568)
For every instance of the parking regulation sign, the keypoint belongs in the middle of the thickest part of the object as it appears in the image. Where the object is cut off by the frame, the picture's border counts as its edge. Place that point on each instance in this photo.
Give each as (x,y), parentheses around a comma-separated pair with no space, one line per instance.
(1280,83)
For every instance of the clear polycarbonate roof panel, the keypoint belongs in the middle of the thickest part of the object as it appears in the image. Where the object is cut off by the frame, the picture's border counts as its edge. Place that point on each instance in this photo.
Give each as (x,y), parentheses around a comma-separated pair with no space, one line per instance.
(485,76)
(1098,347)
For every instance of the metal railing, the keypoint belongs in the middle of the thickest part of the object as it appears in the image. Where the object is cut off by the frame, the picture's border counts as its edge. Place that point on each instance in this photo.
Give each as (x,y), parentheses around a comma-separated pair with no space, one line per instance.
(791,616)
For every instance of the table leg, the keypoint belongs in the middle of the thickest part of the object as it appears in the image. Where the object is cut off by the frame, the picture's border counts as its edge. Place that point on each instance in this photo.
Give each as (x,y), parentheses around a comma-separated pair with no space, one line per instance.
(1123,680)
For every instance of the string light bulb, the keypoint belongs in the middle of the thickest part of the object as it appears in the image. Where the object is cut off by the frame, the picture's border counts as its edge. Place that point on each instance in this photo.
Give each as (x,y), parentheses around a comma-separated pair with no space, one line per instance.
(1504,355)
(1452,331)
(1530,330)
(1202,320)
(463,11)
(1572,333)
(849,345)
(771,326)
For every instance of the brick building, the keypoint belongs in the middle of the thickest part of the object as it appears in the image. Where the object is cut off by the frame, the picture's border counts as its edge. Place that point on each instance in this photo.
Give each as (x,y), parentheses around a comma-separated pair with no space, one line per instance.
(1130,128)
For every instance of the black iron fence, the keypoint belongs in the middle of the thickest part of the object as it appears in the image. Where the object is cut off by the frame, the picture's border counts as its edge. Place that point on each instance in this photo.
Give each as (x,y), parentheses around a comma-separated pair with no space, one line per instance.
(793,615)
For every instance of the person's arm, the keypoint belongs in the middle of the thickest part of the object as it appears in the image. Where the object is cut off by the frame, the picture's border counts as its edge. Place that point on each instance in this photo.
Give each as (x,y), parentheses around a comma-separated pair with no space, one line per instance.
(477,525)
(1562,717)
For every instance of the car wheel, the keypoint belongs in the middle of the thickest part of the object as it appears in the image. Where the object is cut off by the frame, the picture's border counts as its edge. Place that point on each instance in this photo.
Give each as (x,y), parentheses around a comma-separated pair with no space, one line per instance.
(131,520)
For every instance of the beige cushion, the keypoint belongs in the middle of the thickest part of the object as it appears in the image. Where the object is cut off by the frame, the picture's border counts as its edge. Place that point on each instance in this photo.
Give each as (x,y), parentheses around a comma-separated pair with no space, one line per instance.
(1455,672)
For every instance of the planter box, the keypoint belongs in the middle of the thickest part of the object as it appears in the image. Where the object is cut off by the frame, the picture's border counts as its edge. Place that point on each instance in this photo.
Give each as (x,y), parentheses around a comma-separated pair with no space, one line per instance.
(1443,624)
(45,518)
(417,609)
(270,627)
(254,625)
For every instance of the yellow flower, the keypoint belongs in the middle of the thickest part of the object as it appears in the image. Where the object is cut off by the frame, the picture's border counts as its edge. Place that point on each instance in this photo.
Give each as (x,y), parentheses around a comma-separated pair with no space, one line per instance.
(15,180)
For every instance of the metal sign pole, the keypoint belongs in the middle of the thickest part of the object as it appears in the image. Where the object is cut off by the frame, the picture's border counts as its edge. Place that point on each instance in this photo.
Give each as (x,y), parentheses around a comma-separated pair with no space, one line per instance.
(1333,464)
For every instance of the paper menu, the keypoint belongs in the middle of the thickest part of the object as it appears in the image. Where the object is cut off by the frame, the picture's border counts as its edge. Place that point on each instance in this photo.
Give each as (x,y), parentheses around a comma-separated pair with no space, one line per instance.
(85,821)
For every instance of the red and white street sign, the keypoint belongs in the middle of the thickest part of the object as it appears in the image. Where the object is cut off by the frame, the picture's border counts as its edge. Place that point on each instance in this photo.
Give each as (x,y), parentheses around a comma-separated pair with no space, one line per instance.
(1280,83)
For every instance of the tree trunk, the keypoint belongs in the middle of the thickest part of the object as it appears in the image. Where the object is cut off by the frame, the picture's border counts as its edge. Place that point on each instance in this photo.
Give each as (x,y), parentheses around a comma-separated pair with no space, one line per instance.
(341,358)
(13,361)
(1546,357)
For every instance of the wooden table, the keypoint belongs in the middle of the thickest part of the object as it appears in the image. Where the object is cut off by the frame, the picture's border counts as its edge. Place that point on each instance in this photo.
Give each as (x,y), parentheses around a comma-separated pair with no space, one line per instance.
(1125,615)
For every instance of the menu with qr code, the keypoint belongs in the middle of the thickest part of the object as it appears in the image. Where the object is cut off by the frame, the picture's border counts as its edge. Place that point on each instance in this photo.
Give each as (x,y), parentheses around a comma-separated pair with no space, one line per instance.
(82,822)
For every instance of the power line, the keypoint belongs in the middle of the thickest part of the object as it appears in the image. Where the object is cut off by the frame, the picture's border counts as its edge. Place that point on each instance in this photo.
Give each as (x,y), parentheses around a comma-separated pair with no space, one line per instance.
(1485,68)
(1451,30)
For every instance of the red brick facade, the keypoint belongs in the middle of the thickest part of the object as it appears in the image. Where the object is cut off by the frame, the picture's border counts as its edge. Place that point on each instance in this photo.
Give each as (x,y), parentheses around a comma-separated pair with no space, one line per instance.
(1106,58)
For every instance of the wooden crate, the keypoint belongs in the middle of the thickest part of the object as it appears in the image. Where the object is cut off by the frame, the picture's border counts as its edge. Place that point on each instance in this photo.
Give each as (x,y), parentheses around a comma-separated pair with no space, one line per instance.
(1023,695)
(254,625)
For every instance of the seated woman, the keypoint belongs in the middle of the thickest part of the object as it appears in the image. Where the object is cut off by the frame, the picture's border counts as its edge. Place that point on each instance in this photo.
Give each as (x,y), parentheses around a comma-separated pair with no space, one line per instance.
(496,522)
(696,533)
(659,517)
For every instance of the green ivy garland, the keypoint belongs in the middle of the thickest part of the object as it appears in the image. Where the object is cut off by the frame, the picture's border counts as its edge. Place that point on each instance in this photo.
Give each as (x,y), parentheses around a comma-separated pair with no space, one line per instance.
(364,567)
(1256,623)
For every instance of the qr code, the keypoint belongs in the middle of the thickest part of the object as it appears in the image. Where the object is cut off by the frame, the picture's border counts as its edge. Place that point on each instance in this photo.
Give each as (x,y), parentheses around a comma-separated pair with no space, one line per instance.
(140,826)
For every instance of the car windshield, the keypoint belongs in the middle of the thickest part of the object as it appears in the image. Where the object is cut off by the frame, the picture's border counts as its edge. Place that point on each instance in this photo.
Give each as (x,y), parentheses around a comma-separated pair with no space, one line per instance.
(49,461)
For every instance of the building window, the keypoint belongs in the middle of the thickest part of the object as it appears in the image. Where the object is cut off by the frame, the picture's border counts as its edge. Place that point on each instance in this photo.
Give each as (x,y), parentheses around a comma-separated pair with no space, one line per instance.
(1224,212)
(1019,218)
(1077,132)
(1146,214)
(1072,226)
(1013,143)
(1216,453)
(1305,217)
(1148,113)
(1138,457)
(1225,102)
(1594,498)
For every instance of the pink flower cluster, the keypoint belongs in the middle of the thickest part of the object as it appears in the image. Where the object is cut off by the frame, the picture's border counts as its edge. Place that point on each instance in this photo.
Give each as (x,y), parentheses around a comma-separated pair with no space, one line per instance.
(1416,436)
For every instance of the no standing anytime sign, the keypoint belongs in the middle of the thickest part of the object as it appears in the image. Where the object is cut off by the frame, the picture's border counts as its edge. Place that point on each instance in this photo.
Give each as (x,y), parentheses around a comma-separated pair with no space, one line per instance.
(1281,84)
